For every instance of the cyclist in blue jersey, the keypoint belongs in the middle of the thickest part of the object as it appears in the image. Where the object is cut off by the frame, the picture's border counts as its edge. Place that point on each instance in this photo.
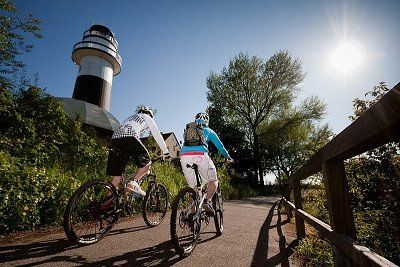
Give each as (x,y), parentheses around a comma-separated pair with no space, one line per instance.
(197,152)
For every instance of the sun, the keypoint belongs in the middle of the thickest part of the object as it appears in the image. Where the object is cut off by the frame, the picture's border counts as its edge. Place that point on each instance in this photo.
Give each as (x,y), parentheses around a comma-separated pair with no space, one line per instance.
(347,57)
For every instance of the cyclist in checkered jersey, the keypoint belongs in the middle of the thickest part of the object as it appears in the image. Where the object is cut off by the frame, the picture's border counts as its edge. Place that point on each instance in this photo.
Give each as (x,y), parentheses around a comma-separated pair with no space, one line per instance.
(126,144)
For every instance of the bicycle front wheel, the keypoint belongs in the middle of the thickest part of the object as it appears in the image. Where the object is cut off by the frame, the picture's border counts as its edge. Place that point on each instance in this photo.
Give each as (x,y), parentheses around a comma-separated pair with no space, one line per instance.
(155,204)
(91,212)
(185,222)
(219,212)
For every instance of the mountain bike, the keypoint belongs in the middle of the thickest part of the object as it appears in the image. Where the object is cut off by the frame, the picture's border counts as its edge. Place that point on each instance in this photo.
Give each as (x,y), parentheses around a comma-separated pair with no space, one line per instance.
(187,216)
(96,206)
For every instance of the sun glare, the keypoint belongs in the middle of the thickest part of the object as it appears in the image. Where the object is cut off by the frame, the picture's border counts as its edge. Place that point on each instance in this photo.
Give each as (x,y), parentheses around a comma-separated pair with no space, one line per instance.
(346,57)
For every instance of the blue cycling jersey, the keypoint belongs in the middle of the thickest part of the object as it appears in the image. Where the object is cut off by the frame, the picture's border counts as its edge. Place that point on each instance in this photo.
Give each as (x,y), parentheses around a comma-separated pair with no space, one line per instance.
(209,135)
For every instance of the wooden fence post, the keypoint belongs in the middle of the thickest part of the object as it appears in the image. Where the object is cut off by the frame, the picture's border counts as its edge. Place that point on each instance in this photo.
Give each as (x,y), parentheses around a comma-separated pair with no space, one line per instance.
(300,228)
(286,194)
(340,212)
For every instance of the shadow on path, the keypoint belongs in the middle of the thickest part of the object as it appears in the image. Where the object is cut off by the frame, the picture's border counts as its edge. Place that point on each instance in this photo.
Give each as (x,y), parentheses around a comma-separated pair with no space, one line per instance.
(260,257)
(49,247)
(162,254)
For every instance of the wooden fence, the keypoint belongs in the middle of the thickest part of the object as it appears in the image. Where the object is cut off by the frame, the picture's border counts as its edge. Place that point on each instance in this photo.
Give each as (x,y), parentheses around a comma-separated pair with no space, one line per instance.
(379,125)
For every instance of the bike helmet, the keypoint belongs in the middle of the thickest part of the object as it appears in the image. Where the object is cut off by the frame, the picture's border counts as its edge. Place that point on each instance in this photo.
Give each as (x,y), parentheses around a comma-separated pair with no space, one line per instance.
(202,118)
(146,110)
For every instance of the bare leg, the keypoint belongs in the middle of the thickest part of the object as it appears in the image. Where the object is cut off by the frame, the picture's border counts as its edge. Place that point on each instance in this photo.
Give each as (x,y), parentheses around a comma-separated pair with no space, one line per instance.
(116,181)
(211,189)
(140,172)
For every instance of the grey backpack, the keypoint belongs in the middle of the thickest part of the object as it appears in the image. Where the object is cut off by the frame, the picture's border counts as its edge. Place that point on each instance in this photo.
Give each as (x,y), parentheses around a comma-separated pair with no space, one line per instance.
(193,135)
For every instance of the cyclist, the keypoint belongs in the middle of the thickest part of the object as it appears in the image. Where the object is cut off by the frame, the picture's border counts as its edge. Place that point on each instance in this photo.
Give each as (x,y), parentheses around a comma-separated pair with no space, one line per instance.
(196,151)
(126,144)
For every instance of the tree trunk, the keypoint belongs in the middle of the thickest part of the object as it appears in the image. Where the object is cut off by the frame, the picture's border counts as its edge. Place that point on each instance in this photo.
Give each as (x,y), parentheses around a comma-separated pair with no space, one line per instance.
(257,160)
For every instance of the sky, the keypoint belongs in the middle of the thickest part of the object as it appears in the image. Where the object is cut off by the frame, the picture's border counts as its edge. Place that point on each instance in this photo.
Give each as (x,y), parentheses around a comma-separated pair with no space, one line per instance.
(168,48)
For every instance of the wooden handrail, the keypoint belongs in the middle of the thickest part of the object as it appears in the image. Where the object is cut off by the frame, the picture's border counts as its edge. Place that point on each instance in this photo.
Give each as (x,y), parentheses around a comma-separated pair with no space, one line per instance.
(379,125)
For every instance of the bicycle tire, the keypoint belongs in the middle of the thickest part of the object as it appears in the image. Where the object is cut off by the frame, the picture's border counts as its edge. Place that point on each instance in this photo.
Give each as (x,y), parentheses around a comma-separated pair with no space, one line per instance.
(155,201)
(69,227)
(219,212)
(184,251)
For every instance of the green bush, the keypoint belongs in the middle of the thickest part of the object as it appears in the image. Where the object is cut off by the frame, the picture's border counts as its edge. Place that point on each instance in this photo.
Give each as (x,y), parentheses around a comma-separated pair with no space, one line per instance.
(314,252)
(44,157)
(314,202)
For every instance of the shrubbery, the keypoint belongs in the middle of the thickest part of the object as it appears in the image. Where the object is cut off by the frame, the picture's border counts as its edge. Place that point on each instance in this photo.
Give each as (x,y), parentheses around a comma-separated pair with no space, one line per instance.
(315,252)
(45,157)
(374,199)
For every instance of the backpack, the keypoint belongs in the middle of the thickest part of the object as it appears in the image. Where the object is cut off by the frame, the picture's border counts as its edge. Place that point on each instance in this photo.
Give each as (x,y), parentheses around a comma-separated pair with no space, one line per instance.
(193,135)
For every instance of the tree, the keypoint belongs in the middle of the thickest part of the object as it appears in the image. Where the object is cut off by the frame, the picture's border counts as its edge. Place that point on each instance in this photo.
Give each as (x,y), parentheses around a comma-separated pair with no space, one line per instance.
(250,92)
(285,148)
(13,26)
(288,141)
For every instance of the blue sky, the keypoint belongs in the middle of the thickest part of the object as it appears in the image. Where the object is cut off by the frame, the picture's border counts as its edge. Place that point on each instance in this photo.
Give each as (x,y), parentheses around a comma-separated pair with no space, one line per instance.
(169,47)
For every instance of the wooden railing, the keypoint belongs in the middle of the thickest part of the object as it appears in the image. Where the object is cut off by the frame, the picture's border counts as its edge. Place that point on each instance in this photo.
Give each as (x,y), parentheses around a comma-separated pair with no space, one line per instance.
(379,125)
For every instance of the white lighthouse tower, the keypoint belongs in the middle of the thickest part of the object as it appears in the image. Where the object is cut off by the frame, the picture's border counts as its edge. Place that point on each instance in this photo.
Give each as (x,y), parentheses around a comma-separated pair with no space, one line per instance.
(98,60)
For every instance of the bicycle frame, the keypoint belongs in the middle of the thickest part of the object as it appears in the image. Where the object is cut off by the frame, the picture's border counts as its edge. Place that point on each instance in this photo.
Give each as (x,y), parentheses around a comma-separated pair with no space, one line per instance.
(200,188)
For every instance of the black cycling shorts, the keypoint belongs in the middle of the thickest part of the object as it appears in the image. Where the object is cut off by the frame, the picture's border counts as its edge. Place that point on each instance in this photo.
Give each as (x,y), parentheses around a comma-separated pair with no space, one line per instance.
(123,149)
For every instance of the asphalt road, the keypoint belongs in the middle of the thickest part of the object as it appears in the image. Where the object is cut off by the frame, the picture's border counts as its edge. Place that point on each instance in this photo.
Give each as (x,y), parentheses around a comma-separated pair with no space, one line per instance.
(255,234)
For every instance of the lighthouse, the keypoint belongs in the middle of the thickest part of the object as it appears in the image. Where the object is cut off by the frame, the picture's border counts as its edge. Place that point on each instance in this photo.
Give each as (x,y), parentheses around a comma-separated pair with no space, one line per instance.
(98,60)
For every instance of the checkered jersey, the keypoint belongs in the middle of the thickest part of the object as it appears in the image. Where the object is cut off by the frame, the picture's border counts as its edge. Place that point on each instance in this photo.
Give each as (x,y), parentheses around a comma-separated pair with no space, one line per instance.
(136,125)
(133,126)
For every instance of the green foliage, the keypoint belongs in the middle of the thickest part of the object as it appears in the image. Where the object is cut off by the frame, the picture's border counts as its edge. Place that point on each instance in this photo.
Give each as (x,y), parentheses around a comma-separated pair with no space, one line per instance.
(13,26)
(315,252)
(314,201)
(31,196)
(288,142)
(376,203)
(373,180)
(44,157)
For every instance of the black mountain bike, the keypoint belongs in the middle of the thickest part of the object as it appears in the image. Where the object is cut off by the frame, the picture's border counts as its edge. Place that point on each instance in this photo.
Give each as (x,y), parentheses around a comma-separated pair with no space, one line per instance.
(96,206)
(187,216)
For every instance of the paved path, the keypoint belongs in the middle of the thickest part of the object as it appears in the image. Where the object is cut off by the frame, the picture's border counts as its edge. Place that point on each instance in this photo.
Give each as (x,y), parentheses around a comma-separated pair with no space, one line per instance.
(255,234)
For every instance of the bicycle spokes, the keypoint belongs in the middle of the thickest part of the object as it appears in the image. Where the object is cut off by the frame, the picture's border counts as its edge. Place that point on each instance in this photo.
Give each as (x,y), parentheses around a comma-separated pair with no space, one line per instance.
(155,205)
(91,212)
(185,222)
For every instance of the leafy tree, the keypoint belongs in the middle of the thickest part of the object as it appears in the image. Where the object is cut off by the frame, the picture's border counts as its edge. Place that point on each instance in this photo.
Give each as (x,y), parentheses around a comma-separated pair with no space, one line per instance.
(13,27)
(251,92)
(289,141)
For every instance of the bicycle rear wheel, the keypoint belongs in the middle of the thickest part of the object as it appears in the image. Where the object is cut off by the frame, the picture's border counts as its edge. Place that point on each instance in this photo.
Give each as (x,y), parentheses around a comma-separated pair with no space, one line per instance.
(185,222)
(155,204)
(219,212)
(91,212)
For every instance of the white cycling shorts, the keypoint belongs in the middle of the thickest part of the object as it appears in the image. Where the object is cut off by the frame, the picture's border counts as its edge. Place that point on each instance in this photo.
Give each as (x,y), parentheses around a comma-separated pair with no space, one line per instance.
(207,170)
